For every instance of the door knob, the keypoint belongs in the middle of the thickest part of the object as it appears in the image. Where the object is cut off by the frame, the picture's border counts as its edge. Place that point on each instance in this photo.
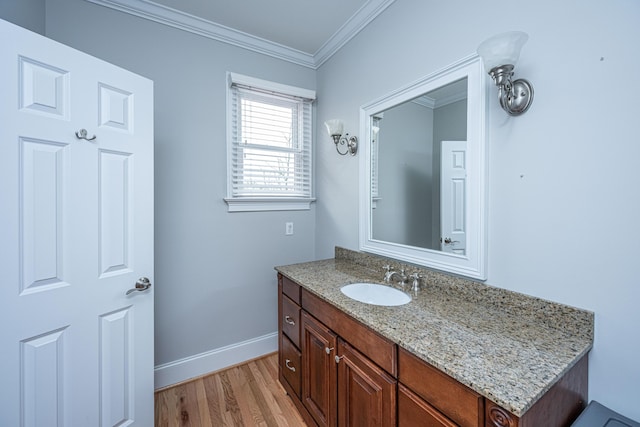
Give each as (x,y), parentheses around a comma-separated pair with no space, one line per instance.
(141,285)
(448,241)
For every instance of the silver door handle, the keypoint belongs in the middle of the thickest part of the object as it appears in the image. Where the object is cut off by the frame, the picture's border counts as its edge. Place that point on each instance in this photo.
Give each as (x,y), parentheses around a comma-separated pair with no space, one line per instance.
(82,134)
(141,285)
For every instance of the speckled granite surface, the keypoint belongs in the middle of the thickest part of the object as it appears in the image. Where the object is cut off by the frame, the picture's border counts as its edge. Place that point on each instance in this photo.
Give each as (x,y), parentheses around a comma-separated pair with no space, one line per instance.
(508,347)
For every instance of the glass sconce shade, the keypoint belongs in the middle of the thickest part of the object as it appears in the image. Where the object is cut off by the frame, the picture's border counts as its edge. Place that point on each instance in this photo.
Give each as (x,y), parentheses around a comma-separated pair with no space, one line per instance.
(500,54)
(502,49)
(334,127)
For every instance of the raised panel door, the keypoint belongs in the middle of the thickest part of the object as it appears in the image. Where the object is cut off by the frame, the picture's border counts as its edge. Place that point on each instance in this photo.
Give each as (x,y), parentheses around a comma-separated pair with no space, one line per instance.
(367,394)
(319,373)
(76,232)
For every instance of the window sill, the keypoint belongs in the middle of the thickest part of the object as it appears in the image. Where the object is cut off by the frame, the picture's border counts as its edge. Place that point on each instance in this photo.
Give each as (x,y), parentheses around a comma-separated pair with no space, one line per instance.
(258,204)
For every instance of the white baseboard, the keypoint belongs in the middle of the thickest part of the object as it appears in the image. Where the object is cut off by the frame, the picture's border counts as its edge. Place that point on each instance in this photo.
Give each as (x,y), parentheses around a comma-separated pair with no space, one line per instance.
(214,360)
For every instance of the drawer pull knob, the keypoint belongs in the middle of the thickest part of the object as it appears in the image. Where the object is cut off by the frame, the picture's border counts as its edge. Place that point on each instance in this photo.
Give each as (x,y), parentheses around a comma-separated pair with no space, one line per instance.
(337,358)
(291,368)
(289,320)
(328,350)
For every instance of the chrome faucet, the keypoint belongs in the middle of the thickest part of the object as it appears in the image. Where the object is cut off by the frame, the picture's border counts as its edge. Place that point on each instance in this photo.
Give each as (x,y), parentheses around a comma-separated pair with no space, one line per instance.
(390,273)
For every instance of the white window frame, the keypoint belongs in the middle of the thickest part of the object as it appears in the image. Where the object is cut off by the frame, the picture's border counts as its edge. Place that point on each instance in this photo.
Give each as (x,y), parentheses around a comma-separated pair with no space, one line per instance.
(244,203)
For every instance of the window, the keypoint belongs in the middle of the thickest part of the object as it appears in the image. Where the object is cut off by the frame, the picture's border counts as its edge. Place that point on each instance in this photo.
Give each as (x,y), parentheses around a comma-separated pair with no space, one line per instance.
(269,132)
(375,146)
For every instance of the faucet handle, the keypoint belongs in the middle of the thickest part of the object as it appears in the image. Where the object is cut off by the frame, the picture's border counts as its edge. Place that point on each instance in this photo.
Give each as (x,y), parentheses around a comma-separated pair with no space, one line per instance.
(416,280)
(388,274)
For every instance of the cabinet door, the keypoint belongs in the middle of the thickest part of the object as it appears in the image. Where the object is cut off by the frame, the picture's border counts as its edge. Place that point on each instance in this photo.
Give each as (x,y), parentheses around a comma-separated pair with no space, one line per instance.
(319,374)
(367,393)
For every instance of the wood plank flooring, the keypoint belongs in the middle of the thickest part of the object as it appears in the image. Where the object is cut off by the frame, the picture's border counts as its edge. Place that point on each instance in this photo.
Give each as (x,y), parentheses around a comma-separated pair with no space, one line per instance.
(242,396)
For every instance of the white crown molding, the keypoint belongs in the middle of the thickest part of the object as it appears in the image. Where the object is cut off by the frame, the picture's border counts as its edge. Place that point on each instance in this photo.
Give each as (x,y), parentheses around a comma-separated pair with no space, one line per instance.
(183,21)
(425,101)
(428,102)
(161,14)
(367,13)
(451,99)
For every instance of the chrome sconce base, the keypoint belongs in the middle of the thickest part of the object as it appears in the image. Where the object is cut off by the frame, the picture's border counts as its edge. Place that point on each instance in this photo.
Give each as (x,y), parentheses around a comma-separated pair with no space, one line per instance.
(349,142)
(515,96)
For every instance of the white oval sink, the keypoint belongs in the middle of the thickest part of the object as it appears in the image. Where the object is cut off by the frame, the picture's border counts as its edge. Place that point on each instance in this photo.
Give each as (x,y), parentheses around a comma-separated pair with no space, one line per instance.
(372,293)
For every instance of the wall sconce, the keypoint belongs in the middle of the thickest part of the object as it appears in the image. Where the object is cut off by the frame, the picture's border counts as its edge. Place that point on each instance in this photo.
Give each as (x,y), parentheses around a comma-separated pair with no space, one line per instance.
(500,54)
(335,128)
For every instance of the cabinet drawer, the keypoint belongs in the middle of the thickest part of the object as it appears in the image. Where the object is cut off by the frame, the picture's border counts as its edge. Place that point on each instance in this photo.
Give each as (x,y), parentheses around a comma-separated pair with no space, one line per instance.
(291,320)
(290,364)
(413,411)
(290,289)
(456,401)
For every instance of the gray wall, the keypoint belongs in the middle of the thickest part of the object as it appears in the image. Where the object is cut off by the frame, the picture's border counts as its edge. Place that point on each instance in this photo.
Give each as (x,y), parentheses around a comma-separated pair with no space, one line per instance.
(563,178)
(214,279)
(403,215)
(29,14)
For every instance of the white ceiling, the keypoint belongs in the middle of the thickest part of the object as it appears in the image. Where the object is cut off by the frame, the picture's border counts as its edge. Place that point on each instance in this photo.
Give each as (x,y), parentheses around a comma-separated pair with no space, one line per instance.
(305,32)
(303,25)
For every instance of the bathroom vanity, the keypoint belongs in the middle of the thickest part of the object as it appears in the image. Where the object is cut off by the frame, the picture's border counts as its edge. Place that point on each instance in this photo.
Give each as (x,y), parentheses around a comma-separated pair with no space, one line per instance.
(460,353)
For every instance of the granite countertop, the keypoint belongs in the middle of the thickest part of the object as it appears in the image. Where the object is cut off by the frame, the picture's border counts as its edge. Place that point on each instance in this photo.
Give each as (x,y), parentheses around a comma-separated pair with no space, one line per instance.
(508,347)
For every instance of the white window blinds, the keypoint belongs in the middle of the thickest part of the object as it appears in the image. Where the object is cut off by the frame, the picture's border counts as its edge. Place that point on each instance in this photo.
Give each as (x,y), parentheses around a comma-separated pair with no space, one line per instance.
(375,144)
(270,145)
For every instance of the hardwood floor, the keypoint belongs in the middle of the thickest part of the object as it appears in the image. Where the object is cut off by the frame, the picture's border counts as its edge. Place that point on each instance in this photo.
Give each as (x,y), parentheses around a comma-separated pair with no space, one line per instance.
(246,395)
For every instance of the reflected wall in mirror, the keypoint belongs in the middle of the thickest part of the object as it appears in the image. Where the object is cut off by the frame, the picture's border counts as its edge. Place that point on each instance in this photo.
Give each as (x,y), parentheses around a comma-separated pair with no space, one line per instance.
(423,172)
(412,140)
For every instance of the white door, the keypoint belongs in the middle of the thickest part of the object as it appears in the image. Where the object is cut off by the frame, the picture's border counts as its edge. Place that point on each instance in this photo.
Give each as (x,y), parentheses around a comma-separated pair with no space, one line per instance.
(453,189)
(76,232)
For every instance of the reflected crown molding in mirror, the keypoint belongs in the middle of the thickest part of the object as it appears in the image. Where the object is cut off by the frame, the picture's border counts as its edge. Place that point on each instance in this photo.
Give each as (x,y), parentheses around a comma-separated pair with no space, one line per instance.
(404,137)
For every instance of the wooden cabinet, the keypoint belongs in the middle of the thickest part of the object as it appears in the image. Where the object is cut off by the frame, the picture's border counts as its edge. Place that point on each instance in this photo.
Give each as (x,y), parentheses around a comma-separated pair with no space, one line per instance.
(342,381)
(339,372)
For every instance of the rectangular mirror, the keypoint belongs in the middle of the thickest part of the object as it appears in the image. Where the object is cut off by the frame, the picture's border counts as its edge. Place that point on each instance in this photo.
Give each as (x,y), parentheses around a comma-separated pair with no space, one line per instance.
(423,172)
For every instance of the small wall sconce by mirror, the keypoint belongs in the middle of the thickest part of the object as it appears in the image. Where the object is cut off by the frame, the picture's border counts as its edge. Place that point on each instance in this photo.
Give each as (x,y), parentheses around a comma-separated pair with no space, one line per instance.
(335,128)
(500,54)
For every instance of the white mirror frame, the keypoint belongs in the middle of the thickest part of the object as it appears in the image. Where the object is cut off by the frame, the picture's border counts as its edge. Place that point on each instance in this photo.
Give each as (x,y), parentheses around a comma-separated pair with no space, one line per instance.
(474,263)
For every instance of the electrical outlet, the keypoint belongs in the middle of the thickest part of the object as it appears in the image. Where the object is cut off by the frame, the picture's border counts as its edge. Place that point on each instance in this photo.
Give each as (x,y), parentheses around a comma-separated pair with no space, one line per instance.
(288,228)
